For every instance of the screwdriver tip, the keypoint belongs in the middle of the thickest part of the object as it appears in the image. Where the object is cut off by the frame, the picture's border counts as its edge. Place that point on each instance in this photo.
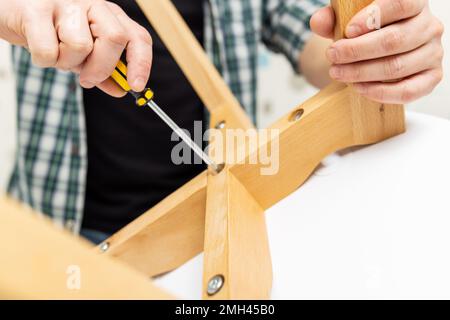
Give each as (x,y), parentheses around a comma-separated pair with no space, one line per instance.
(217,168)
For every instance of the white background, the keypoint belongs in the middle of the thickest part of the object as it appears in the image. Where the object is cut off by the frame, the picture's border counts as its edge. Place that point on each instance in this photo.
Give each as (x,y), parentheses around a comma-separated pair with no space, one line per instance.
(280,91)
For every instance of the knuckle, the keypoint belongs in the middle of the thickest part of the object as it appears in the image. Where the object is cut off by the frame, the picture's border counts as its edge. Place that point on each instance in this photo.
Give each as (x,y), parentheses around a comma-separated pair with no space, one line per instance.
(393,40)
(393,67)
(145,35)
(439,29)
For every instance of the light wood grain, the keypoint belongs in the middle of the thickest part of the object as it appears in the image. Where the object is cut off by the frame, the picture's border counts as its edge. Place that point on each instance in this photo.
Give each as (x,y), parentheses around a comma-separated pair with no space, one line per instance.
(366,113)
(168,235)
(236,242)
(345,11)
(36,258)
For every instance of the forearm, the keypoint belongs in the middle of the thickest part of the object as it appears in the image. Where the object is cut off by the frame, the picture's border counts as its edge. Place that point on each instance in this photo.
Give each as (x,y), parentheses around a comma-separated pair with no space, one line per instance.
(313,62)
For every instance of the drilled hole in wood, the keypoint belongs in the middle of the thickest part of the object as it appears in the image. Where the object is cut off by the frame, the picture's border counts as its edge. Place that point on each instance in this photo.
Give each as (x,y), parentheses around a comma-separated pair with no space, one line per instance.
(296,115)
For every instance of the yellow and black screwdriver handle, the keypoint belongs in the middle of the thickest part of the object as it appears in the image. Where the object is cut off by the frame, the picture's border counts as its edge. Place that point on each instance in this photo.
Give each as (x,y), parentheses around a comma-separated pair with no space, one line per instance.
(119,75)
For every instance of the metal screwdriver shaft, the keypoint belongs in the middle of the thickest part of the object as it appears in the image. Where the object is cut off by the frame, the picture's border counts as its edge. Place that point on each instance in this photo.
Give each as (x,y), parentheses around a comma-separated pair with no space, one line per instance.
(183,136)
(145,98)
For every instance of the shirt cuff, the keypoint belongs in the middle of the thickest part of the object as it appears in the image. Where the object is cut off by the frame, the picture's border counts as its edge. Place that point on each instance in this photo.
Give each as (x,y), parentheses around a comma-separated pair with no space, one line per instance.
(290,28)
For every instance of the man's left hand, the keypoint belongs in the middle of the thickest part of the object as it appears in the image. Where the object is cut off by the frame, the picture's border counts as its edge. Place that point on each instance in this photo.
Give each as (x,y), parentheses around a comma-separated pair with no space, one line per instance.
(398,63)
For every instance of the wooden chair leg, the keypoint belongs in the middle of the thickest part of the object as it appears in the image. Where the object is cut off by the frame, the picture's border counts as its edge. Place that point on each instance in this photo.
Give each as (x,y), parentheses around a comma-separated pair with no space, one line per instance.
(237,262)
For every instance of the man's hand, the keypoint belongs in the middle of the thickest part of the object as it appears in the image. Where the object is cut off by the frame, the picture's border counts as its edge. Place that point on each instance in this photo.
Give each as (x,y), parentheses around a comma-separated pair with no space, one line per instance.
(398,63)
(84,36)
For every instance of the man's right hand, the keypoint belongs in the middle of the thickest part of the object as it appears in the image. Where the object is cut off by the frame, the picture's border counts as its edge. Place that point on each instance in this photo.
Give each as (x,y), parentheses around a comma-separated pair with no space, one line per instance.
(84,36)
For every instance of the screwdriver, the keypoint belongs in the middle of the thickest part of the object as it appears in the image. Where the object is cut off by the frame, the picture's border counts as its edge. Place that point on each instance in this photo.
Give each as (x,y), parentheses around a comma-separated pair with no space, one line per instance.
(145,98)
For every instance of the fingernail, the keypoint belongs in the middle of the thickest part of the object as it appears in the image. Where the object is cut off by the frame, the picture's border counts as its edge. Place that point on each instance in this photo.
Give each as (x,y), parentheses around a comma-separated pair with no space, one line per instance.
(353,31)
(332,55)
(139,84)
(335,72)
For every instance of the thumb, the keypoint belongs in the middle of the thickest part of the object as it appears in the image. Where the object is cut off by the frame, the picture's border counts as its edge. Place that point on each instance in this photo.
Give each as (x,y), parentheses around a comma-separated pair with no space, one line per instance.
(323,22)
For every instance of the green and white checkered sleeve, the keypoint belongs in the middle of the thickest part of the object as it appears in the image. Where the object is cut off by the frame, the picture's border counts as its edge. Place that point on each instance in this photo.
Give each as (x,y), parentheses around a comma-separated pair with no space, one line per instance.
(286,26)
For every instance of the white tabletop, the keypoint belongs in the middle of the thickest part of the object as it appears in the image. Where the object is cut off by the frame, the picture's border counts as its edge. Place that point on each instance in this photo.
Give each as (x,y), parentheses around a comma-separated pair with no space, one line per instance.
(372,223)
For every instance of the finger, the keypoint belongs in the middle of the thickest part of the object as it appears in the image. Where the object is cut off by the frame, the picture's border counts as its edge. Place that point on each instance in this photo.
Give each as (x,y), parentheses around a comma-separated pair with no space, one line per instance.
(42,41)
(402,92)
(391,40)
(110,42)
(323,22)
(390,68)
(381,13)
(139,50)
(111,88)
(75,37)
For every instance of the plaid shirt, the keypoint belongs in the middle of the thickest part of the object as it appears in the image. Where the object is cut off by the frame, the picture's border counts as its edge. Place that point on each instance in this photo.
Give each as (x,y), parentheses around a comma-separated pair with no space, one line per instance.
(51,163)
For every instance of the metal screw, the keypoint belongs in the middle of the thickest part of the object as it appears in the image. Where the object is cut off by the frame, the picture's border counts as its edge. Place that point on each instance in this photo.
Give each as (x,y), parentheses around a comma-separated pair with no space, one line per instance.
(220,125)
(104,246)
(297,115)
(215,284)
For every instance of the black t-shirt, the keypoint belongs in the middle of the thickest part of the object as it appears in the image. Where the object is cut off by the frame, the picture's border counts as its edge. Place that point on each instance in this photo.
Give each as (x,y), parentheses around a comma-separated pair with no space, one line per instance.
(129,148)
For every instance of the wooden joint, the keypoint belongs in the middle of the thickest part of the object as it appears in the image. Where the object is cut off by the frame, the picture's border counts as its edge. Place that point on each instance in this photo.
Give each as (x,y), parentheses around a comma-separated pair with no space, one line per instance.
(236,242)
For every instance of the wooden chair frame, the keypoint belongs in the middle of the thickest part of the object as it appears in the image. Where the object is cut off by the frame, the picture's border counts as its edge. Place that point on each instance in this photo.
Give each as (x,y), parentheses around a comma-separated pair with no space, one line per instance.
(222,214)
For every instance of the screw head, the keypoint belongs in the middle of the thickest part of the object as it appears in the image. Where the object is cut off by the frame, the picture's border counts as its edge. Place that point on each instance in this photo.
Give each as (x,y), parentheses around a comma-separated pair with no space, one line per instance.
(215,284)
(297,115)
(104,246)
(220,125)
